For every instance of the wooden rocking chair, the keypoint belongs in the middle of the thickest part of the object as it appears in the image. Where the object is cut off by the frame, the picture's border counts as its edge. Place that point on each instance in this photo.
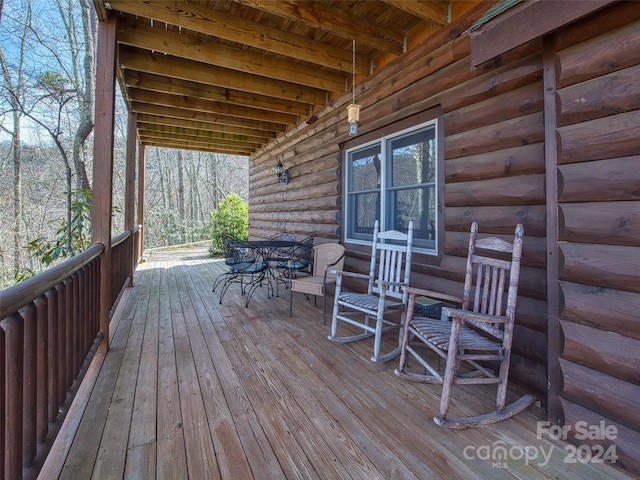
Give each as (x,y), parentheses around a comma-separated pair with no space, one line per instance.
(389,271)
(477,332)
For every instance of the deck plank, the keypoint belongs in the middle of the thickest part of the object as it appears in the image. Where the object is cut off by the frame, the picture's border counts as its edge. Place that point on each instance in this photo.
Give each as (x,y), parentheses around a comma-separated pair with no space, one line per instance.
(193,389)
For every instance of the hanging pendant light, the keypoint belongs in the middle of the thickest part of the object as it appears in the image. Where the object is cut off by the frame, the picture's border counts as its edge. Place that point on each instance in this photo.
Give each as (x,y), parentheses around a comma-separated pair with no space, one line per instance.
(353,110)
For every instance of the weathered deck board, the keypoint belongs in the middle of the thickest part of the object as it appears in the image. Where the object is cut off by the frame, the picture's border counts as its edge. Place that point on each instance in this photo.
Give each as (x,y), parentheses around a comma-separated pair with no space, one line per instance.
(194,389)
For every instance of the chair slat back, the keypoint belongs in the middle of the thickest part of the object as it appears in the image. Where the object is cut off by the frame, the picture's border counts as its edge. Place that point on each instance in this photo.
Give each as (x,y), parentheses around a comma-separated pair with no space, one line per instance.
(489,278)
(390,261)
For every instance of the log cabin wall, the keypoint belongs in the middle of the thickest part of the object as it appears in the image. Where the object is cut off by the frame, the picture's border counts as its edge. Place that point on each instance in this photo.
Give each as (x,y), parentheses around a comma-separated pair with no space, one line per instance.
(598,167)
(496,174)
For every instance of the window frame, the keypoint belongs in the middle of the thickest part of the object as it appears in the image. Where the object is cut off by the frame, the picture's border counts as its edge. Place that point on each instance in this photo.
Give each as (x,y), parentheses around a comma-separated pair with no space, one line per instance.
(383,138)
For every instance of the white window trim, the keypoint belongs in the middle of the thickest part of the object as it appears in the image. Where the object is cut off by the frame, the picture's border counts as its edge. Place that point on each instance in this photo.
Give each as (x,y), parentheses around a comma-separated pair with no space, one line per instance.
(383,142)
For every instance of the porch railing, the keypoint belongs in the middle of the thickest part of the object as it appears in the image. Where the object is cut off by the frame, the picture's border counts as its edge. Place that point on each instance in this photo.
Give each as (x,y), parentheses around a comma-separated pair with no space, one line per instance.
(49,328)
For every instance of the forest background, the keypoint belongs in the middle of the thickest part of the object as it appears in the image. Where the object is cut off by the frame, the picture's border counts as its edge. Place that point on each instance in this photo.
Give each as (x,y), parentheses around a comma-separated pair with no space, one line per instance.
(47,100)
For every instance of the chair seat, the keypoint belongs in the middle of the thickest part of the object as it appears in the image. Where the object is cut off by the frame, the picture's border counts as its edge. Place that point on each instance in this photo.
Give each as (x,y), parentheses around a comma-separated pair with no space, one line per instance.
(310,285)
(369,302)
(295,265)
(438,333)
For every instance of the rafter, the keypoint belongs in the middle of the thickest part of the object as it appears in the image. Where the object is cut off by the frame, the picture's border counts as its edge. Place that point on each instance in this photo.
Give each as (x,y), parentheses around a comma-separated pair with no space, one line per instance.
(207,117)
(208,74)
(158,83)
(197,133)
(332,19)
(436,12)
(151,133)
(199,105)
(190,47)
(182,145)
(200,18)
(261,136)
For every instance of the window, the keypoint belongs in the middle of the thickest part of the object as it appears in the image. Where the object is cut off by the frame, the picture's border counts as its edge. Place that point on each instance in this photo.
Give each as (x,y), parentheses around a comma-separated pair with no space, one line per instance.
(394,179)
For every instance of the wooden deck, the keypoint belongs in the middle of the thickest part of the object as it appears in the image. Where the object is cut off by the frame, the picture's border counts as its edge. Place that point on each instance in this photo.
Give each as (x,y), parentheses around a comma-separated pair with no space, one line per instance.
(191,389)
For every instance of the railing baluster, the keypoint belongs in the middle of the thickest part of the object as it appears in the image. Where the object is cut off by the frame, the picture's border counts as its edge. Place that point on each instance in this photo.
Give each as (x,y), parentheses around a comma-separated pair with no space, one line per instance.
(29,314)
(53,376)
(42,370)
(3,392)
(14,347)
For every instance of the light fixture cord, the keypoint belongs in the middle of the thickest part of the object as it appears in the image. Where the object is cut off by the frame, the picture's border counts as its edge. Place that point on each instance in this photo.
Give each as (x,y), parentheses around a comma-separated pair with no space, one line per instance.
(353,81)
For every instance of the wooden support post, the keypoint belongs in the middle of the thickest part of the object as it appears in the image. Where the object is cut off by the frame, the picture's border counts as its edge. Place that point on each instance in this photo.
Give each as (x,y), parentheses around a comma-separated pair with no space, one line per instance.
(129,191)
(103,165)
(551,187)
(142,153)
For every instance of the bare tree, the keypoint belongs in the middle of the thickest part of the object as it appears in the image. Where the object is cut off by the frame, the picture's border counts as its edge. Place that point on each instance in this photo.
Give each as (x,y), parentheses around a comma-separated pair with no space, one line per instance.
(13,91)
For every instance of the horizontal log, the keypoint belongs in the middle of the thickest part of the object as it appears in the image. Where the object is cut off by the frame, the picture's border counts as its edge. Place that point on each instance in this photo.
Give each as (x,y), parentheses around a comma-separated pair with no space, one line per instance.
(327,167)
(604,308)
(529,374)
(267,229)
(511,104)
(531,344)
(627,441)
(609,266)
(603,351)
(599,181)
(523,190)
(522,66)
(614,398)
(329,202)
(266,185)
(534,249)
(613,223)
(509,162)
(608,137)
(325,189)
(506,134)
(598,23)
(321,216)
(610,94)
(301,161)
(611,51)
(498,220)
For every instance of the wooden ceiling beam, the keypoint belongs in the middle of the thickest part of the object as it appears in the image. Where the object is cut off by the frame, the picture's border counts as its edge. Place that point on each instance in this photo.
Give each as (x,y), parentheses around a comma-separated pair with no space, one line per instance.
(207,117)
(196,133)
(436,12)
(199,105)
(190,47)
(157,138)
(332,19)
(158,83)
(217,23)
(262,136)
(198,147)
(222,77)
(150,133)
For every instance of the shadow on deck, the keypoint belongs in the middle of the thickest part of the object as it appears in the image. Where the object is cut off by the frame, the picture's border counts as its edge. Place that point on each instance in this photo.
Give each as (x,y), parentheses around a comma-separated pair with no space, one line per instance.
(194,389)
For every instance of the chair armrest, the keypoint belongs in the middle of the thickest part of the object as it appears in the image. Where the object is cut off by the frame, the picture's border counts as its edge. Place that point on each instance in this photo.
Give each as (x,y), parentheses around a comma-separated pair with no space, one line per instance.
(472,316)
(342,273)
(431,294)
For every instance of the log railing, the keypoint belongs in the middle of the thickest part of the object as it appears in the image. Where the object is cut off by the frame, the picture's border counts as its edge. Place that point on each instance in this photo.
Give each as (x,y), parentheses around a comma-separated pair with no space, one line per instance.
(49,327)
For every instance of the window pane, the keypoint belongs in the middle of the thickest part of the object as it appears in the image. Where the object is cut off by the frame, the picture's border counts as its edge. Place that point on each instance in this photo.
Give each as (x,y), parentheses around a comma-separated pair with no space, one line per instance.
(413,158)
(417,204)
(365,169)
(364,208)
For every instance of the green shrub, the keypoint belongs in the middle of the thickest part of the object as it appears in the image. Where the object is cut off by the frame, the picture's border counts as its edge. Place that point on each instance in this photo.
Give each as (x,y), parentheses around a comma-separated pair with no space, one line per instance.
(231,218)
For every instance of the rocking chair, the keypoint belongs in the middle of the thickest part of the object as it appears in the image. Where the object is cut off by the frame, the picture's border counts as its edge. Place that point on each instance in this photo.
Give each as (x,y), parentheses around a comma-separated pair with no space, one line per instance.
(477,332)
(389,271)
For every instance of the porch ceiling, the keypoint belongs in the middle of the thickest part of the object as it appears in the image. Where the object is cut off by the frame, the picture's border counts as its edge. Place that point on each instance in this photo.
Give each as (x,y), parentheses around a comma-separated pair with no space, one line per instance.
(230,76)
